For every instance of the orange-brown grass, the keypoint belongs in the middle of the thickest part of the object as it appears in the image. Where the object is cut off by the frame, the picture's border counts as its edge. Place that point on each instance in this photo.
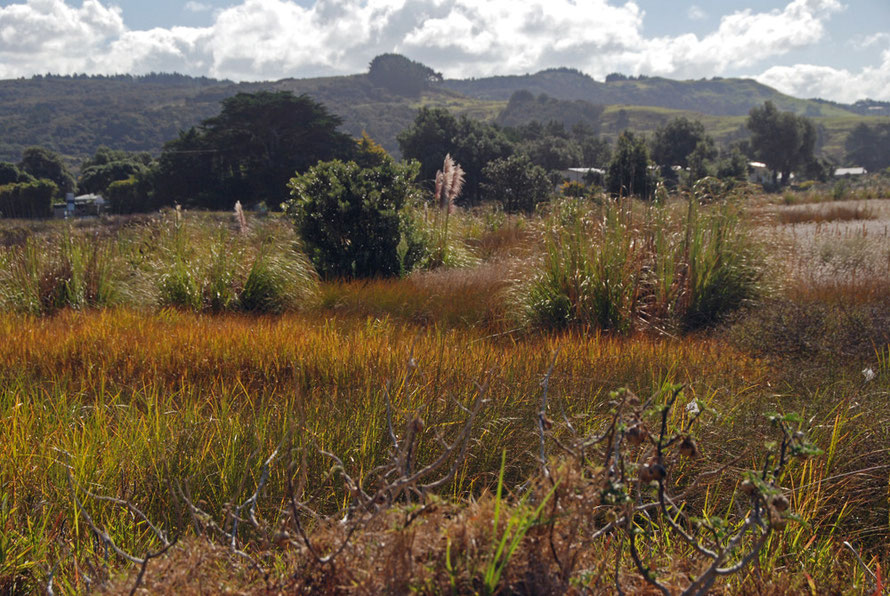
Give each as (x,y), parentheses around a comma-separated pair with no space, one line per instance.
(452,297)
(132,403)
(826,214)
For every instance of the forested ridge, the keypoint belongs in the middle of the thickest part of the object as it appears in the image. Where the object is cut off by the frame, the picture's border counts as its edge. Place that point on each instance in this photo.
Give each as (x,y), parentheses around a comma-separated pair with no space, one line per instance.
(75,115)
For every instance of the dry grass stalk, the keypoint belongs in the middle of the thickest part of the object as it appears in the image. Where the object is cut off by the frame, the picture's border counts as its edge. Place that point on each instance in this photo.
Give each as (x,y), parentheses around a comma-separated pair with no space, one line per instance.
(240,218)
(449,184)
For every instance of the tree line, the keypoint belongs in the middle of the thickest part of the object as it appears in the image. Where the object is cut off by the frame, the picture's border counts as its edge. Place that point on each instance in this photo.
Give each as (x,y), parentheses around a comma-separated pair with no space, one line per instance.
(258,141)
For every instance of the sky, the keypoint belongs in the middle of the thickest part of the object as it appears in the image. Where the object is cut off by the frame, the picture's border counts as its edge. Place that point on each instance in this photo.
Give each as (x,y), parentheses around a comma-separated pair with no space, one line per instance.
(833,49)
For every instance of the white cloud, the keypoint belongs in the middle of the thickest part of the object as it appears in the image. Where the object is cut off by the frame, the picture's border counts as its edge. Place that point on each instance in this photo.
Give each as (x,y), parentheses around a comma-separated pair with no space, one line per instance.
(193,6)
(268,39)
(48,35)
(696,13)
(808,80)
(864,42)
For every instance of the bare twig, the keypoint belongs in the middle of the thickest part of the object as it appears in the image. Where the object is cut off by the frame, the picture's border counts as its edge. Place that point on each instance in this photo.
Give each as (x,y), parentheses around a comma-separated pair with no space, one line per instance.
(543,422)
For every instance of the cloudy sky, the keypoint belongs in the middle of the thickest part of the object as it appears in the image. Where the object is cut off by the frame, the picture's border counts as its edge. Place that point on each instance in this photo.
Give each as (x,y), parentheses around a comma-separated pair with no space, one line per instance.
(835,49)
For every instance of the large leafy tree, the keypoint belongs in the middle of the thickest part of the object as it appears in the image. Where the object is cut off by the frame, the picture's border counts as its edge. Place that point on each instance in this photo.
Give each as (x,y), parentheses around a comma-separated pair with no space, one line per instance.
(628,172)
(401,75)
(250,150)
(869,146)
(675,141)
(436,133)
(516,183)
(11,174)
(784,141)
(109,165)
(40,162)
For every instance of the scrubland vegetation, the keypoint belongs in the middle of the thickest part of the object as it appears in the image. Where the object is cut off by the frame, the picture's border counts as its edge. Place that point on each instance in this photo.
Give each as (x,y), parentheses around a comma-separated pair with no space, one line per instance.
(684,394)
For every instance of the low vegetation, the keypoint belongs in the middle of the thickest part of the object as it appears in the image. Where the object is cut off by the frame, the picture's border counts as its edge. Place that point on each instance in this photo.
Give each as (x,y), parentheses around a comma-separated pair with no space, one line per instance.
(594,397)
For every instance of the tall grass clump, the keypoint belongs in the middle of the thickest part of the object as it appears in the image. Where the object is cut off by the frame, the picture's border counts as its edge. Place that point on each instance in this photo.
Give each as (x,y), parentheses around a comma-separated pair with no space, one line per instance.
(626,266)
(46,274)
(582,281)
(205,266)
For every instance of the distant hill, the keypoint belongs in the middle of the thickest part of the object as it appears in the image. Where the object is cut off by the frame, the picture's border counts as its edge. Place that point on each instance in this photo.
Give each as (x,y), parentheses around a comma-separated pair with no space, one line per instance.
(74,115)
(718,97)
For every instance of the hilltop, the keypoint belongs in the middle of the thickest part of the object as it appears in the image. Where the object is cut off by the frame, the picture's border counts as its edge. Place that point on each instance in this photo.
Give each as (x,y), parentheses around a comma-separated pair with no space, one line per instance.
(74,115)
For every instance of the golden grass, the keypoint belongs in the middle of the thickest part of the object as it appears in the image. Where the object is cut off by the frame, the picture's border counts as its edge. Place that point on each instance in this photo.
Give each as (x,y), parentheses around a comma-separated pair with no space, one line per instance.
(135,401)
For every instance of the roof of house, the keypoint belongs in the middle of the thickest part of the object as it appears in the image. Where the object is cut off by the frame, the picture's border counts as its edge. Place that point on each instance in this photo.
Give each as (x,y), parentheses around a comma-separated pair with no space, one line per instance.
(586,170)
(857,171)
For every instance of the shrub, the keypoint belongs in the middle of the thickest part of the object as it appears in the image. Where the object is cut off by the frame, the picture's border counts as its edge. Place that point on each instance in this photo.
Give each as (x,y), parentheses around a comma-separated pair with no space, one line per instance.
(353,221)
(130,196)
(516,184)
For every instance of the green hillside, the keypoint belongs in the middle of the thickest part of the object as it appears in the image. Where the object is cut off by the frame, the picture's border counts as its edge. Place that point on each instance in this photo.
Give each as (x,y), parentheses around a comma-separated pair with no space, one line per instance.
(717,96)
(74,115)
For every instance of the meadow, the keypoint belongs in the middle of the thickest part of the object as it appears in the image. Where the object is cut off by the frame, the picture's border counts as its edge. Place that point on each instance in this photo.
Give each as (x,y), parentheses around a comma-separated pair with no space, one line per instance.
(185,406)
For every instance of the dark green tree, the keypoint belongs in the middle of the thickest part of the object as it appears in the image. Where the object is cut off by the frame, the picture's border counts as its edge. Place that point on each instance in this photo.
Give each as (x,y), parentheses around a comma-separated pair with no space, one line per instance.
(185,172)
(108,166)
(784,141)
(353,220)
(700,160)
(400,75)
(554,153)
(595,150)
(628,172)
(429,139)
(250,150)
(732,165)
(43,163)
(11,174)
(516,183)
(675,141)
(869,146)
(28,199)
(436,133)
(476,145)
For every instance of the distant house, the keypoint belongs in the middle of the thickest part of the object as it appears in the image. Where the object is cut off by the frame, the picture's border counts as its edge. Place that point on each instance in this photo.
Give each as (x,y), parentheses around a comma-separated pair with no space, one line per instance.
(583,175)
(856,171)
(80,206)
(758,173)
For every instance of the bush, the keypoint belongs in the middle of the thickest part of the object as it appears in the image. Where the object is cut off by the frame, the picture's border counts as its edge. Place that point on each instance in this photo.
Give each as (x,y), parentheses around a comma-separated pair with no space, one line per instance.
(129,196)
(516,184)
(28,199)
(353,221)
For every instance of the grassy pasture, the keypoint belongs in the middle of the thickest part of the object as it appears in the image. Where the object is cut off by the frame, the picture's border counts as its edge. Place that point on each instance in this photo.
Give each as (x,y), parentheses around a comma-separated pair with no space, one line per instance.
(143,403)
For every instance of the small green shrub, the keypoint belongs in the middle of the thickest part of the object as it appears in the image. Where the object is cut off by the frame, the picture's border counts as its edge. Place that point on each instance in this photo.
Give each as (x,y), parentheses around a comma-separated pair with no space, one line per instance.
(353,221)
(516,184)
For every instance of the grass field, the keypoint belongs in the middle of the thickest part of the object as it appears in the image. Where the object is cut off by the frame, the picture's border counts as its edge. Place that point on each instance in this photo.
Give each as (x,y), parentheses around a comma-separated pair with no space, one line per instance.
(221,436)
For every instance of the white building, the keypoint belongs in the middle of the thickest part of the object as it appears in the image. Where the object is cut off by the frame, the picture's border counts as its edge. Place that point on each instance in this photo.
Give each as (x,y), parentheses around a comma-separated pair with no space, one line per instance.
(857,171)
